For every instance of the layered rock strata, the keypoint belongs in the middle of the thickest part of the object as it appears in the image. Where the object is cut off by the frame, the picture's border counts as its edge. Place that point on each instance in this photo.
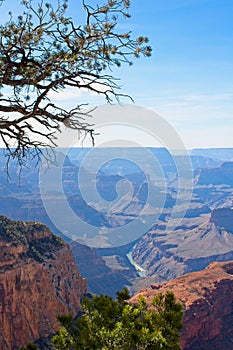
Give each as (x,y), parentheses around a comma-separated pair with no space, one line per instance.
(207,297)
(38,281)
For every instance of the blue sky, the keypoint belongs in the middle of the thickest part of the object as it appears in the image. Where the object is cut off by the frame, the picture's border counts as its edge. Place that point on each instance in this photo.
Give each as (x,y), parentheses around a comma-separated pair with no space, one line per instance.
(189,78)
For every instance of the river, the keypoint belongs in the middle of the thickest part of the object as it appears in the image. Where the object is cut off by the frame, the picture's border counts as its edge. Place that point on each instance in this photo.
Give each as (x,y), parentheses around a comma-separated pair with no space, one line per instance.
(140,270)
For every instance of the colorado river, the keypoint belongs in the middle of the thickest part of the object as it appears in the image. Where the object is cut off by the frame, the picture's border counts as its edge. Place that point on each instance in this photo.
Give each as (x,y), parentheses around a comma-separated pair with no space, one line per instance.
(141,271)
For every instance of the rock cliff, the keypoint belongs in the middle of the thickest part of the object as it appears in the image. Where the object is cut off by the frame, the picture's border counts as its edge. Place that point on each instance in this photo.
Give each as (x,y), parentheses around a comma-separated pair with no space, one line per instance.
(207,297)
(38,280)
(201,241)
(102,277)
(216,176)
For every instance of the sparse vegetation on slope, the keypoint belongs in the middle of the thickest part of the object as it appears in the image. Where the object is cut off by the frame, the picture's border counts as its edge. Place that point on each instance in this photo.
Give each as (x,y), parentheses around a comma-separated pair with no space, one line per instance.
(34,236)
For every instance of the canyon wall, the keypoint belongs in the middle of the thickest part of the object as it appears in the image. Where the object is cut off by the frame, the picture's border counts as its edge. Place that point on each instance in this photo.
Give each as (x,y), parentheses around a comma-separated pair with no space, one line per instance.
(38,280)
(207,298)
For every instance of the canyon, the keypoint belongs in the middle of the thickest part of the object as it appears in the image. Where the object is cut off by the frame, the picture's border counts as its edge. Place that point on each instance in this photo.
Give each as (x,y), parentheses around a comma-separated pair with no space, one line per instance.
(163,256)
(42,263)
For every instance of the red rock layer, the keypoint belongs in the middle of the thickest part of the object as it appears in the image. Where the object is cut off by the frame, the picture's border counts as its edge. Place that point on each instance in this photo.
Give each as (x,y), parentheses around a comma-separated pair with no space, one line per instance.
(207,297)
(38,280)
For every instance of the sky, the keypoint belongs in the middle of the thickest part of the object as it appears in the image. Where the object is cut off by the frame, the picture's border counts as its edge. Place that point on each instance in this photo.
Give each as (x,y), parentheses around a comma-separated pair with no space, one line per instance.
(188,80)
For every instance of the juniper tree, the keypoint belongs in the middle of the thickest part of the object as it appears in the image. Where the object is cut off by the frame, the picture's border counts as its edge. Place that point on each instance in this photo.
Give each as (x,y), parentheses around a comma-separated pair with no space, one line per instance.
(108,324)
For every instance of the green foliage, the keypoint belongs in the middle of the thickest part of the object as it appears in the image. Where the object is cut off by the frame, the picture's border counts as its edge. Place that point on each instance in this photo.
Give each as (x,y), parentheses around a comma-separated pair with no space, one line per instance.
(122,295)
(119,325)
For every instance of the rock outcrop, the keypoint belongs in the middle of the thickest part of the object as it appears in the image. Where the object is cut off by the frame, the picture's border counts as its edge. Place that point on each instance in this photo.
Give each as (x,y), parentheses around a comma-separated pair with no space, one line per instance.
(188,248)
(216,176)
(38,280)
(207,297)
(101,278)
(223,217)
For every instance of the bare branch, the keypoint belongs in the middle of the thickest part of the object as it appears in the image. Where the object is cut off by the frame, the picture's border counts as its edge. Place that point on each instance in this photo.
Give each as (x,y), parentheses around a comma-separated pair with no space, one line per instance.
(44,51)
